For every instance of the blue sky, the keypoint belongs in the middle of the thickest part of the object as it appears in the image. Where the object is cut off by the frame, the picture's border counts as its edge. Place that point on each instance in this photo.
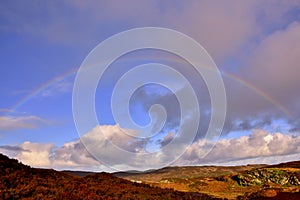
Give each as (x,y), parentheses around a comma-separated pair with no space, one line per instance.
(253,43)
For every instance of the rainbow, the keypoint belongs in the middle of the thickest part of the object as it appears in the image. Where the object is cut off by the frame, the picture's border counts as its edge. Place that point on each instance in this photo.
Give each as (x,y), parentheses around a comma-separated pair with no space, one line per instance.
(43,87)
(73,71)
(265,95)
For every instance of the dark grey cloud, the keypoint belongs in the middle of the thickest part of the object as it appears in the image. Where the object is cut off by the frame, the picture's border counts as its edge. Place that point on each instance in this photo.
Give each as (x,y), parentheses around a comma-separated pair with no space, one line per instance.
(167,139)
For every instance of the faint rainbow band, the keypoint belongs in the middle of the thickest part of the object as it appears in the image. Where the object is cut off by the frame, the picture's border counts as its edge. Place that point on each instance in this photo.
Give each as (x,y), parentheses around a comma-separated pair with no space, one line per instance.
(73,71)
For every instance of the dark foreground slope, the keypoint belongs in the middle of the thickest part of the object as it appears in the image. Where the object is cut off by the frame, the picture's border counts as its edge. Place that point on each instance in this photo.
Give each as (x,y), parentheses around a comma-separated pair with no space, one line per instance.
(18,181)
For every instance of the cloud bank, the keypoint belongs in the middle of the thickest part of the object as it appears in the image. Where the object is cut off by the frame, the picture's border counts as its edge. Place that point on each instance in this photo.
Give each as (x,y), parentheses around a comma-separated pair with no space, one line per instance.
(259,146)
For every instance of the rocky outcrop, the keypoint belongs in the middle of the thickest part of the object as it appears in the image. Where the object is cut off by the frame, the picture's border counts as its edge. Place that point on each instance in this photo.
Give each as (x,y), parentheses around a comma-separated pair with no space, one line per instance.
(267,176)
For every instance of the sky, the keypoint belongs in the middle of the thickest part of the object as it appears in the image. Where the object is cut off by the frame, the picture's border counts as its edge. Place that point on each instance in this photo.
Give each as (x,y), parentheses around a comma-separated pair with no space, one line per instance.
(254,45)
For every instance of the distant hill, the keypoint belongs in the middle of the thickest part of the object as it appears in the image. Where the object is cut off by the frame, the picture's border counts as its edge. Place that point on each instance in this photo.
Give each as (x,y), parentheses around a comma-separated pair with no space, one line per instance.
(293,164)
(18,181)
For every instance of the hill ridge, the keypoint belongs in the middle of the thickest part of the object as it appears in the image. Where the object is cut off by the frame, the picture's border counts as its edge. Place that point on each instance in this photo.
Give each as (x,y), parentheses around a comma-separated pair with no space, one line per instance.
(19,181)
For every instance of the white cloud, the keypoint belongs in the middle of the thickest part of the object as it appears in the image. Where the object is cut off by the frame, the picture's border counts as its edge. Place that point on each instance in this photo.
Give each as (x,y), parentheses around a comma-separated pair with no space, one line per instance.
(259,147)
(114,146)
(38,154)
(260,144)
(72,154)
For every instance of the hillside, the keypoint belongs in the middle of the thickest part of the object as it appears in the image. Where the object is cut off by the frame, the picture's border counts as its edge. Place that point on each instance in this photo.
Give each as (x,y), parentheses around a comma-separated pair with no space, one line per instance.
(282,181)
(18,181)
(242,182)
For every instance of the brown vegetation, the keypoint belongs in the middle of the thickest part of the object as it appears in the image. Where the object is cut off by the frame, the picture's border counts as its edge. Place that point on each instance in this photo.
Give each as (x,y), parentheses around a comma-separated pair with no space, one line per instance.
(18,181)
(281,181)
